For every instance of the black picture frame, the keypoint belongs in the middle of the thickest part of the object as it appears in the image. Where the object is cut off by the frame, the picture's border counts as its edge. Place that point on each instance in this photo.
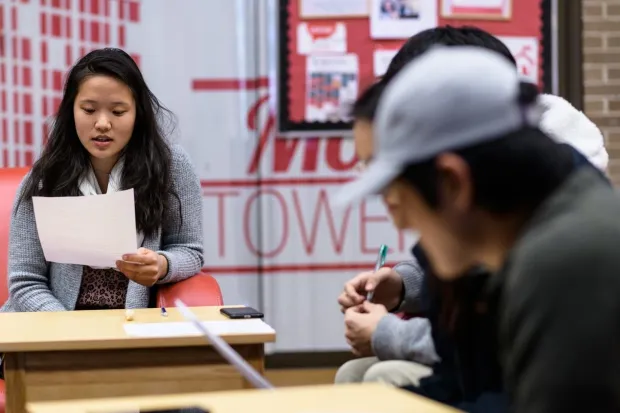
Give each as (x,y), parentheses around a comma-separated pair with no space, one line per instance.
(286,126)
(562,28)
(546,44)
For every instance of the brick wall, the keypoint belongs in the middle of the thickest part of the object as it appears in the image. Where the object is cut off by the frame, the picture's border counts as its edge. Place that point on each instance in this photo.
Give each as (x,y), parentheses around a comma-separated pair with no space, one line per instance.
(601,71)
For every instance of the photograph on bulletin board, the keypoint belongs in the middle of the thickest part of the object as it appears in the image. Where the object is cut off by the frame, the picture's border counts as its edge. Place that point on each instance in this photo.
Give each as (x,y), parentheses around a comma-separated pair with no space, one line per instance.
(328,52)
(399,19)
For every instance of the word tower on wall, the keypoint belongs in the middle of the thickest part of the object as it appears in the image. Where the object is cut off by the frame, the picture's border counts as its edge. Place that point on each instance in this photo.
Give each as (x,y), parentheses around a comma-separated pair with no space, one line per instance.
(39,42)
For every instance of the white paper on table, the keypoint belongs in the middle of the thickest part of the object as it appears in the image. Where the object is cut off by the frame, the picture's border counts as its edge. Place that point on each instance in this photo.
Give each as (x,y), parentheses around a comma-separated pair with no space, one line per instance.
(187,328)
(93,230)
(321,38)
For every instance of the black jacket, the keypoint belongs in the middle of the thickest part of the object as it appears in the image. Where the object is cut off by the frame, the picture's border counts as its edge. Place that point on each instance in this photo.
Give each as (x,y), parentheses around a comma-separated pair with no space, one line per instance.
(552,318)
(468,376)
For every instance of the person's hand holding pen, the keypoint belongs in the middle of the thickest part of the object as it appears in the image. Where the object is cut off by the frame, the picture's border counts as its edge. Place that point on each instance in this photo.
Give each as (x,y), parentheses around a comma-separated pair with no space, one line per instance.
(360,324)
(382,286)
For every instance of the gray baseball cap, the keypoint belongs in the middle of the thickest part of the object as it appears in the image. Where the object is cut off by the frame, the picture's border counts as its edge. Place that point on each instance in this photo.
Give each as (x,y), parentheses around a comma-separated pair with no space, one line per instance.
(448,99)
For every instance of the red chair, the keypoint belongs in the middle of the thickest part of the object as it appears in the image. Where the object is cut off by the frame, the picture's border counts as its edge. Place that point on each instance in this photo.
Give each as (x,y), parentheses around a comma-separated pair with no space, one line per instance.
(200,290)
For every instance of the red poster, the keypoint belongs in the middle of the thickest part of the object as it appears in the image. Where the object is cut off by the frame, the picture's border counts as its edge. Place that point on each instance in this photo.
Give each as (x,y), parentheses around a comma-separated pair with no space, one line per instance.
(520,30)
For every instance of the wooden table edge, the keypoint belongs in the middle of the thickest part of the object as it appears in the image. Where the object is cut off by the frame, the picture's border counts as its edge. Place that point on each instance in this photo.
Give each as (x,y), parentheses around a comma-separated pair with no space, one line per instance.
(134,343)
(203,400)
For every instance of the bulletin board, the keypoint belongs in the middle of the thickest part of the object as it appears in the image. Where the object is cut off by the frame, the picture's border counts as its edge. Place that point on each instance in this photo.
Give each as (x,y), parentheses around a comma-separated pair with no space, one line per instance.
(348,56)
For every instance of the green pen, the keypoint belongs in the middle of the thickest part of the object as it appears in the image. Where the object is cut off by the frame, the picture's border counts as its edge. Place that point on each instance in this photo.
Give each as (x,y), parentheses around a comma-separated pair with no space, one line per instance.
(383,249)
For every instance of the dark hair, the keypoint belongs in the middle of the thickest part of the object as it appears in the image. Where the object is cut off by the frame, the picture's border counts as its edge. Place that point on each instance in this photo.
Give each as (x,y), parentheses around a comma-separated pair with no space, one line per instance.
(514,172)
(147,156)
(365,106)
(447,36)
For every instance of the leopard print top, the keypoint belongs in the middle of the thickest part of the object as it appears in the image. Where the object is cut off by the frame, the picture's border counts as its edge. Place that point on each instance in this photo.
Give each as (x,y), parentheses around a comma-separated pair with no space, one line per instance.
(102,289)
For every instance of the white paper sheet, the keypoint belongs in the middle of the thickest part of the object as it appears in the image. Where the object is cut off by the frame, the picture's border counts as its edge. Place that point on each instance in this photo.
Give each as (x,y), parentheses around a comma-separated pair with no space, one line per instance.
(94,230)
(187,329)
(330,8)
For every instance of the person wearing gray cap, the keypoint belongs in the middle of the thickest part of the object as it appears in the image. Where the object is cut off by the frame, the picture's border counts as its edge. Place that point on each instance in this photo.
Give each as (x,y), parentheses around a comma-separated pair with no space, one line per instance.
(390,349)
(459,144)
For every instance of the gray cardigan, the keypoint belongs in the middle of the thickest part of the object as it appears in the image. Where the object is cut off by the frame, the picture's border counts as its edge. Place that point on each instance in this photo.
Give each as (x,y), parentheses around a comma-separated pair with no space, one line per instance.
(396,339)
(38,285)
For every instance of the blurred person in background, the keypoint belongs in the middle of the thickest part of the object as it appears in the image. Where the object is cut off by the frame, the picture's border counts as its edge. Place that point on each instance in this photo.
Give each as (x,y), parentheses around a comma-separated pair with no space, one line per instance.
(468,371)
(564,122)
(391,350)
(484,185)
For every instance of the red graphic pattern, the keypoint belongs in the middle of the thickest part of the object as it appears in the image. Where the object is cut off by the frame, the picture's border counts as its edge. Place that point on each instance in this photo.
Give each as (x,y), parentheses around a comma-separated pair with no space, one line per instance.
(32,81)
(18,99)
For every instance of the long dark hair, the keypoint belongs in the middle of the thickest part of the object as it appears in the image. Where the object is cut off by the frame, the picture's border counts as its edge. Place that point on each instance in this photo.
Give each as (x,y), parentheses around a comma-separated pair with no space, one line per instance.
(147,156)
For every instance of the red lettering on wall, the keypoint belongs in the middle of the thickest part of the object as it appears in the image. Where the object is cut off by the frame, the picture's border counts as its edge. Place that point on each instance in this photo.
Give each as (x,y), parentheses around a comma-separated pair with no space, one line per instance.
(333,155)
(365,220)
(311,155)
(322,204)
(253,120)
(247,223)
(301,221)
(284,150)
(221,217)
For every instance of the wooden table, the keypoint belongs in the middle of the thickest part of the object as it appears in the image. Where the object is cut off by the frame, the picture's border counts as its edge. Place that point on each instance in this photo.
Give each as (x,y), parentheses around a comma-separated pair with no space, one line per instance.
(87,354)
(351,398)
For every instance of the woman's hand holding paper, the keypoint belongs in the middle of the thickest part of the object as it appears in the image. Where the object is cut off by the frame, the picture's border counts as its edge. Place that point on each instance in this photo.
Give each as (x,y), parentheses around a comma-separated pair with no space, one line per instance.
(146,267)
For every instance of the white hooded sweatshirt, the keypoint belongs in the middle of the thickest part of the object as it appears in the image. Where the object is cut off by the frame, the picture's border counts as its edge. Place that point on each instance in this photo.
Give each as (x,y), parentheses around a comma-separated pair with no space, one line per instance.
(564,123)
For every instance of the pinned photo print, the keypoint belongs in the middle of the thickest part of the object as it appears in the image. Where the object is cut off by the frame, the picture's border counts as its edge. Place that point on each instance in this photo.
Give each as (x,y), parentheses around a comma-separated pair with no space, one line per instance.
(401,19)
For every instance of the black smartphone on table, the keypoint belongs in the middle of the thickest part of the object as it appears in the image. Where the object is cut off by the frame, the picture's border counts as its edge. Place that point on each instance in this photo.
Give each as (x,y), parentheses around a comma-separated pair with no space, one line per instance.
(241,312)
